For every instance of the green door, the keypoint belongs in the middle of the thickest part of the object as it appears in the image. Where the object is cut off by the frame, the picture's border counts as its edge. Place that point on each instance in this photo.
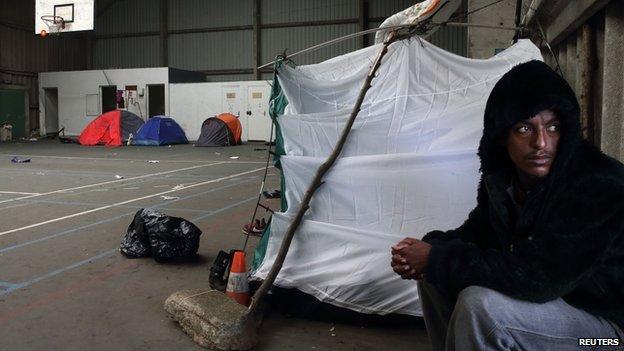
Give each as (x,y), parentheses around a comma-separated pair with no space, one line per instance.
(12,110)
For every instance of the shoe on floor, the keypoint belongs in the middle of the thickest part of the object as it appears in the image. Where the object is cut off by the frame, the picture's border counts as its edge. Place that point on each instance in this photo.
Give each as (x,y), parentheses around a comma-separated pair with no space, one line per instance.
(273,194)
(256,229)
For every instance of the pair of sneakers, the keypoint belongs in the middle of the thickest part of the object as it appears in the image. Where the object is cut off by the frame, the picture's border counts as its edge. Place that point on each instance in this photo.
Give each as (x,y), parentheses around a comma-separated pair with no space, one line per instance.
(255,228)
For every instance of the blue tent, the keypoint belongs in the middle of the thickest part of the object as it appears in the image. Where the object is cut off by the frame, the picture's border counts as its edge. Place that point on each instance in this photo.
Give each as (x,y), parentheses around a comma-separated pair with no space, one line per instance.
(160,130)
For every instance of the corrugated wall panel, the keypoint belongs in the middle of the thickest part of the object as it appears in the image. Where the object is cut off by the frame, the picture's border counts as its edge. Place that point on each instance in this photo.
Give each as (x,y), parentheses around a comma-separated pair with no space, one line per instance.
(275,40)
(385,8)
(126,52)
(278,11)
(186,14)
(371,37)
(204,51)
(452,39)
(129,17)
(18,12)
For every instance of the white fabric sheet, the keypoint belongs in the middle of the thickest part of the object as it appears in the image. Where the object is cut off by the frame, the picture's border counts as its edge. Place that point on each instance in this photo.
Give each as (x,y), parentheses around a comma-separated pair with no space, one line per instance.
(409,166)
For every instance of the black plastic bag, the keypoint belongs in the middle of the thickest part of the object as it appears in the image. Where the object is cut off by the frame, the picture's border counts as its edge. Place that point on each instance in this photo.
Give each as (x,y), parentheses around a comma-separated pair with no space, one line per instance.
(136,242)
(153,233)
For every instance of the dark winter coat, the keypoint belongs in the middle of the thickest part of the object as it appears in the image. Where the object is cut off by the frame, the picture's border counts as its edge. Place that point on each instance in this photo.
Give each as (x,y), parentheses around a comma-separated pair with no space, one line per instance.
(568,238)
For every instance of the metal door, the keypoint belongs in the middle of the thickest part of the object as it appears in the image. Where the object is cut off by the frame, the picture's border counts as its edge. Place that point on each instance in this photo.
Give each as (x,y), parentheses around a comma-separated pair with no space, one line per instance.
(259,123)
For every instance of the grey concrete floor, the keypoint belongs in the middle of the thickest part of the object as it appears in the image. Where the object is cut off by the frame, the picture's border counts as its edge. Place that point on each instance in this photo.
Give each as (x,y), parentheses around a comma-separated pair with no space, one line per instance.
(65,286)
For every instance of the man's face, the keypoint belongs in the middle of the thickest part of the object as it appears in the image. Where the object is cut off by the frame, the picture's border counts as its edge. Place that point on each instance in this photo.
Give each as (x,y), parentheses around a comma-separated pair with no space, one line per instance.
(532,145)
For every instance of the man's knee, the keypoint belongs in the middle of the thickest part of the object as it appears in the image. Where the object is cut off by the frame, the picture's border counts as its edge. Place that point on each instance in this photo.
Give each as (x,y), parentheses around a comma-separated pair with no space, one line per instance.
(477,302)
(477,319)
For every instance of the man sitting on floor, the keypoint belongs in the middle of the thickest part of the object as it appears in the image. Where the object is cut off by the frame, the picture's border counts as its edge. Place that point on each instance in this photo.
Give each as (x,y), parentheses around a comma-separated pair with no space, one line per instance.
(539,263)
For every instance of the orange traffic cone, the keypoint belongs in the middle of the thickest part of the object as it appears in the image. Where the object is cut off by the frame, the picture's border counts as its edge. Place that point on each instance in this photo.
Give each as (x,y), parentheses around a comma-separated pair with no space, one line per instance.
(238,286)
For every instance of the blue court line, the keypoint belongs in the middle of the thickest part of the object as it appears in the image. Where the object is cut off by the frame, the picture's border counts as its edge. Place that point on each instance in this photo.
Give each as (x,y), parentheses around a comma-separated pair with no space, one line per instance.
(7,285)
(13,247)
(56,272)
(224,208)
(106,253)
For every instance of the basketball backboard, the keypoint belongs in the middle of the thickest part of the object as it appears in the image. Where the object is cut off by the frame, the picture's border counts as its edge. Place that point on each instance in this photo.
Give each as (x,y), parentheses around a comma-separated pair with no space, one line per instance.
(77,15)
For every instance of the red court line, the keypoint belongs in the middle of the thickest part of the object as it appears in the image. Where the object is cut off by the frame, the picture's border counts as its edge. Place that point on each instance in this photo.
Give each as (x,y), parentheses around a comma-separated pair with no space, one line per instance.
(71,289)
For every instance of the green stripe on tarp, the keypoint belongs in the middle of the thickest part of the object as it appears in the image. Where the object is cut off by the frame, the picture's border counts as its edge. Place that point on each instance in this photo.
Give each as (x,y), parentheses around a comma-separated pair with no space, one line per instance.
(277,105)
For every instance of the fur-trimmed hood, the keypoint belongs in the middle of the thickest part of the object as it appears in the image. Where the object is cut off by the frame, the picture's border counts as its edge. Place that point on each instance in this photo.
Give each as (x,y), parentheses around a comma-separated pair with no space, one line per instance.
(567,240)
(520,94)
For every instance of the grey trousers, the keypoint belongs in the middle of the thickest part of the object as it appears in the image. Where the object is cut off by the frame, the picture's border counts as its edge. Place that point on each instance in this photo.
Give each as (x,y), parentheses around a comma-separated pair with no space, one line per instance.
(484,319)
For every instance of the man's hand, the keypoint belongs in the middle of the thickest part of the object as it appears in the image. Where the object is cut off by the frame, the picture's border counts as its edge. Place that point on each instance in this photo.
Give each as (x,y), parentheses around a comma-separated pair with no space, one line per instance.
(409,258)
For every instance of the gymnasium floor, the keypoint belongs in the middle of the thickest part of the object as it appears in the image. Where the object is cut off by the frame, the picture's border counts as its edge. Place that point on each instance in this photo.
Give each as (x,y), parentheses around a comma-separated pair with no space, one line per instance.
(65,286)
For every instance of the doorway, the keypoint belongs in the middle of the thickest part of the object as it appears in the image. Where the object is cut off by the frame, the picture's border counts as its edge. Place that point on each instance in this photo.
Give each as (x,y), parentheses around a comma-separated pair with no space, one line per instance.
(50,105)
(155,100)
(109,97)
(13,110)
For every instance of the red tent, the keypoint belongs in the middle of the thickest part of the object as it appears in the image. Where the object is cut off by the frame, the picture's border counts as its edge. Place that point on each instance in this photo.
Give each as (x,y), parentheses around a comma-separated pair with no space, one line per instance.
(110,128)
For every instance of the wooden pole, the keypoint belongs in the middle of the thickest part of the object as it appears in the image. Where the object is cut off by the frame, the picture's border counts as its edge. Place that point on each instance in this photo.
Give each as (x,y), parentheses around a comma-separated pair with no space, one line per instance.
(587,56)
(318,181)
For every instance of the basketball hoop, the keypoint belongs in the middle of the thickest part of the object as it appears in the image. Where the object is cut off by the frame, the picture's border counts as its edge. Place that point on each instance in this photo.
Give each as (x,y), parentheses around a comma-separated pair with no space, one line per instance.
(54,23)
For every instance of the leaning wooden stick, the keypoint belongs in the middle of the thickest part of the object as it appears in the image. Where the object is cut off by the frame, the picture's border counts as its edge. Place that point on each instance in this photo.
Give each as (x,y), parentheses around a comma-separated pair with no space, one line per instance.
(213,319)
(318,180)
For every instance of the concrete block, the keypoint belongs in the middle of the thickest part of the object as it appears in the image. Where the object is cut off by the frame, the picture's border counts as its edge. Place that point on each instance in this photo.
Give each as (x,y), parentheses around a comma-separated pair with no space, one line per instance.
(212,319)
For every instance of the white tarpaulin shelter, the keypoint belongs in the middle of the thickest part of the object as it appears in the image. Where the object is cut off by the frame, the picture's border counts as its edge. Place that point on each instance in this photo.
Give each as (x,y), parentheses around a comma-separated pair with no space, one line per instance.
(409,165)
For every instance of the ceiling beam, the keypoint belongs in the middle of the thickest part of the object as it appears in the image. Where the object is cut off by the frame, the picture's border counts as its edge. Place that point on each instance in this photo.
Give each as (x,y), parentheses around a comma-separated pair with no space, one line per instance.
(570,18)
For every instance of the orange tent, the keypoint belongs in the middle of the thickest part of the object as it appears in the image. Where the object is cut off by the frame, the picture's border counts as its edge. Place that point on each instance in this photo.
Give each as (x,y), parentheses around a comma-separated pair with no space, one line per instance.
(233,124)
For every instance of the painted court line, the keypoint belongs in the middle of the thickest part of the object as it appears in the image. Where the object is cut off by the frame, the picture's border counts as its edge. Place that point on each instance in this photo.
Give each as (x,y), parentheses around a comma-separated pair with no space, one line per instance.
(18,193)
(111,182)
(126,159)
(5,285)
(57,272)
(126,202)
(89,282)
(108,220)
(196,219)
(84,204)
(64,193)
(61,195)
(106,253)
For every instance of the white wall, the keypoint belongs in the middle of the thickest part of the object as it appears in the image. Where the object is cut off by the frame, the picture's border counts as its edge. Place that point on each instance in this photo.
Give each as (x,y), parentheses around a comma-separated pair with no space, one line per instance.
(192,103)
(73,87)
